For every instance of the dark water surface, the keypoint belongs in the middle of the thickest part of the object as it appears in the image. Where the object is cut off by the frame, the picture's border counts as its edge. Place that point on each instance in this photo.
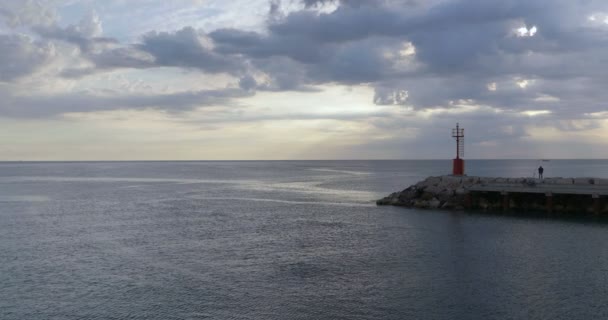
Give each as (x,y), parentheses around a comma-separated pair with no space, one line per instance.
(283,240)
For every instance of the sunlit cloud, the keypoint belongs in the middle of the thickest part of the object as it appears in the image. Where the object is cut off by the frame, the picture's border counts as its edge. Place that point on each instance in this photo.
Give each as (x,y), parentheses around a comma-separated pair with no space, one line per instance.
(546,98)
(536,113)
(524,83)
(526,32)
(599,115)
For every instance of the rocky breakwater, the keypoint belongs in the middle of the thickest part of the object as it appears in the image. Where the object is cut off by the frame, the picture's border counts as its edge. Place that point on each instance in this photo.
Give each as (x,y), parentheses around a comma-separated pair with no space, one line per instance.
(445,192)
(558,195)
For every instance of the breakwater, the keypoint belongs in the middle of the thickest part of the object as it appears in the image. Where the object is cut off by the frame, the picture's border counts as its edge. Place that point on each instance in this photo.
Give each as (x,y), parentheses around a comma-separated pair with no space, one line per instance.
(553,195)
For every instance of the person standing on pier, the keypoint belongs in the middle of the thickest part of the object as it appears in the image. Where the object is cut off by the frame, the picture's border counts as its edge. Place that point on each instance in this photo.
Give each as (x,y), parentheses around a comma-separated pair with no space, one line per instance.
(540,172)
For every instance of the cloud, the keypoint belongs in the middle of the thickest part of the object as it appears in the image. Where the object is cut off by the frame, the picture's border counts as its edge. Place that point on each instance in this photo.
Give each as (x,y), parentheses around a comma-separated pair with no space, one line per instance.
(26,13)
(52,105)
(415,54)
(252,44)
(460,48)
(22,56)
(186,48)
(87,34)
(354,3)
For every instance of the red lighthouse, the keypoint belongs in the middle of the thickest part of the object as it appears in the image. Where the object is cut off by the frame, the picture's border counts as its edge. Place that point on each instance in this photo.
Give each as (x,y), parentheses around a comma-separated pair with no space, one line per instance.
(458,134)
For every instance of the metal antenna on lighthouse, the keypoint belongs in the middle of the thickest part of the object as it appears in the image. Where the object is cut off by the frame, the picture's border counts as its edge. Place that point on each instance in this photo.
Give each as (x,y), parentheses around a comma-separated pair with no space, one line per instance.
(458,134)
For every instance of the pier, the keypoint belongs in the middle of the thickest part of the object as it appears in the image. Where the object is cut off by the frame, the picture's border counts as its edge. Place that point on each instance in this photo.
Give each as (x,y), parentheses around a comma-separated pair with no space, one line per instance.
(578,195)
(551,195)
(458,191)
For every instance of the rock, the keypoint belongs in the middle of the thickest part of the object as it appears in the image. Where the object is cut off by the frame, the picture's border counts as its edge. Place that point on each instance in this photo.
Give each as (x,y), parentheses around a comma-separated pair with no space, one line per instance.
(427,196)
(433,181)
(421,204)
(393,199)
(434,189)
(451,180)
(429,182)
(445,195)
(448,205)
(407,194)
(460,191)
(434,203)
(483,203)
(471,180)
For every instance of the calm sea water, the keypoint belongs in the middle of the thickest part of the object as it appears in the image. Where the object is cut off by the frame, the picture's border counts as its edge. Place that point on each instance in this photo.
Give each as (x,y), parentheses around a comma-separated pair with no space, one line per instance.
(284,240)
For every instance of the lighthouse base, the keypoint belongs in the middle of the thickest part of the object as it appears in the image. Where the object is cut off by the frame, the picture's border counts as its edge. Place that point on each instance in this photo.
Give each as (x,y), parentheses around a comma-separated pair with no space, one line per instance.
(458,168)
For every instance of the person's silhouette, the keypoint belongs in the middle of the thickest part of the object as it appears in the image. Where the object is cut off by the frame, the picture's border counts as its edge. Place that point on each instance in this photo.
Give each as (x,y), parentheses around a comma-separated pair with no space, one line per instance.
(540,172)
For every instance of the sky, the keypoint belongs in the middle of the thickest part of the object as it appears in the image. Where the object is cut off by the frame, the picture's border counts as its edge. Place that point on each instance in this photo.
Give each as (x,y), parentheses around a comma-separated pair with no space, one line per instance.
(302,79)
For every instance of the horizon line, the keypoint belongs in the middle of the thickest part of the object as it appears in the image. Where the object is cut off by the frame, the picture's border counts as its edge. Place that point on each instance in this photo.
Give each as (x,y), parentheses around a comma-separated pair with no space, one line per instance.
(286,160)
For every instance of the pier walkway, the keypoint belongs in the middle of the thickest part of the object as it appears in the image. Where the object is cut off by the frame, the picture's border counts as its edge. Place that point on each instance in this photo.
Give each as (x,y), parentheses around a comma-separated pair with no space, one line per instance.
(570,194)
(589,189)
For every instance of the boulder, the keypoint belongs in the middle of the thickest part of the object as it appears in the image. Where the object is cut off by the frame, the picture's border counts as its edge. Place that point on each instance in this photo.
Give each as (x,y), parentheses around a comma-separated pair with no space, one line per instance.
(445,195)
(448,205)
(422,204)
(427,196)
(460,191)
(434,189)
(434,203)
(484,180)
(428,182)
(452,180)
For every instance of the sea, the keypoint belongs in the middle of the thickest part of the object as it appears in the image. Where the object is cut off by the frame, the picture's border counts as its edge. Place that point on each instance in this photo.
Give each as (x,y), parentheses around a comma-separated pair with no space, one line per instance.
(285,240)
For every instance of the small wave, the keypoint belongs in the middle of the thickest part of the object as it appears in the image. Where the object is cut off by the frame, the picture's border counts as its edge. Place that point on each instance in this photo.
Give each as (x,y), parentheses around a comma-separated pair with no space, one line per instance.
(314,188)
(342,204)
(26,198)
(122,179)
(350,172)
